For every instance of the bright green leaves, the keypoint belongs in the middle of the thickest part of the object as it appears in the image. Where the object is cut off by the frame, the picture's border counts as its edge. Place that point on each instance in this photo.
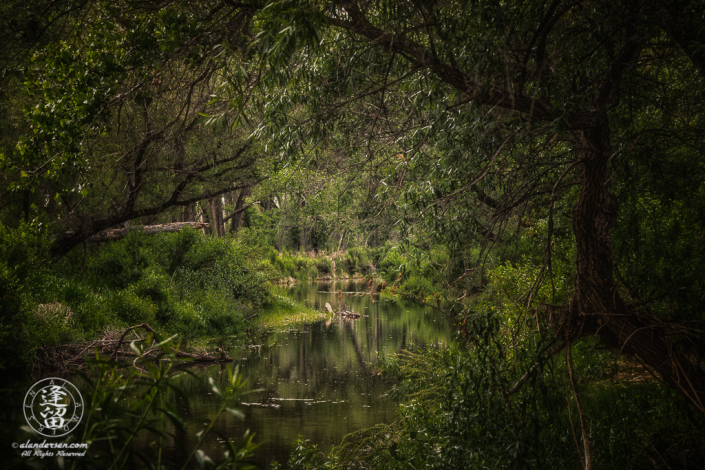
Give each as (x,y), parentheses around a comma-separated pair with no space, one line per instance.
(78,87)
(70,88)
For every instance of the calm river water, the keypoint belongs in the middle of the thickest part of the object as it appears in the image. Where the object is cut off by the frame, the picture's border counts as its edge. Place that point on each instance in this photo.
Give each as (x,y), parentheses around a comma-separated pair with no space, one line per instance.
(320,380)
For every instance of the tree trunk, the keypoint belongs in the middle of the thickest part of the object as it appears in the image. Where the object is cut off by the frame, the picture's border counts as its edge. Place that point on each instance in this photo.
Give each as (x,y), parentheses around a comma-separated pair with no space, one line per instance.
(597,307)
(204,217)
(187,214)
(302,242)
(215,212)
(236,221)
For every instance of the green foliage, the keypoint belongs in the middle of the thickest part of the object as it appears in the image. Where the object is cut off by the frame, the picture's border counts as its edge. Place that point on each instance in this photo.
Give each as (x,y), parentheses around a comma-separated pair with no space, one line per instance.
(450,137)
(304,457)
(323,265)
(131,309)
(452,415)
(183,283)
(296,266)
(113,418)
(356,261)
(23,254)
(197,285)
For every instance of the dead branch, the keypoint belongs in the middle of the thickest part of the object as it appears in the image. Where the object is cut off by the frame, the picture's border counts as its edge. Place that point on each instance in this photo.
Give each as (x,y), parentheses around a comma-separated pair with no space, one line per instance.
(115,346)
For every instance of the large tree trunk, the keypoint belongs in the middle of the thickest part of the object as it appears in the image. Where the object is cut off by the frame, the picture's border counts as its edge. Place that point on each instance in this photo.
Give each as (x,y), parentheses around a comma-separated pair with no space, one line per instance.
(597,307)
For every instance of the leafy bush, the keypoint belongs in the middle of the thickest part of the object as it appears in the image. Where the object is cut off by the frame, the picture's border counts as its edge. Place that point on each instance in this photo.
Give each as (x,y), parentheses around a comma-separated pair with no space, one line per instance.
(121,263)
(356,261)
(128,307)
(323,265)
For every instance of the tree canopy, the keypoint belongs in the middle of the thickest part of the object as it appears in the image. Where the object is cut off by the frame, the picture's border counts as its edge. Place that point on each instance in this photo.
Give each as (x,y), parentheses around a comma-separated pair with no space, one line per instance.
(573,126)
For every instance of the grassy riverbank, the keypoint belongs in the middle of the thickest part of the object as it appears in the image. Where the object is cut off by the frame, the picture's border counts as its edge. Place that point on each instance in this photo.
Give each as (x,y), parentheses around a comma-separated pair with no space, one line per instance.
(183,283)
(284,312)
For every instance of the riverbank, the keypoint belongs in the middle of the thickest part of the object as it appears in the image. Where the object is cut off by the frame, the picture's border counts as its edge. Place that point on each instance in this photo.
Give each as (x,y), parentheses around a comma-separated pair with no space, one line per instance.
(188,284)
(179,283)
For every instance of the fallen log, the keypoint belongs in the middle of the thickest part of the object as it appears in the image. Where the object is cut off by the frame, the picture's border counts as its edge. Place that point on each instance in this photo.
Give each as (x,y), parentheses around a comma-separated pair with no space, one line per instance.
(114,346)
(117,233)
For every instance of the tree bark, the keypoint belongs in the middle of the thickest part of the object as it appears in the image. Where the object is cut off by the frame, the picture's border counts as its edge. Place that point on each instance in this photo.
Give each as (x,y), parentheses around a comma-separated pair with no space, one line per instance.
(302,230)
(215,214)
(236,220)
(187,214)
(597,307)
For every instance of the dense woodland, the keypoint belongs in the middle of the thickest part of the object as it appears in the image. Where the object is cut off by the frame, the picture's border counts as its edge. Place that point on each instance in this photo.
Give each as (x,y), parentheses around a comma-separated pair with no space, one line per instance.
(533,169)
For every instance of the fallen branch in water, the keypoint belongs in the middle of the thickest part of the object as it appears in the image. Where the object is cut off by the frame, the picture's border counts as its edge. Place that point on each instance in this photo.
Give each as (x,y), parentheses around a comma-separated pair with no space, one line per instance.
(357,294)
(115,345)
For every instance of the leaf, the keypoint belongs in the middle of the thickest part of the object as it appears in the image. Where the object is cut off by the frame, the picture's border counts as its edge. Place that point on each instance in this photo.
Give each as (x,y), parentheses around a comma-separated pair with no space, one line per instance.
(173,416)
(235,412)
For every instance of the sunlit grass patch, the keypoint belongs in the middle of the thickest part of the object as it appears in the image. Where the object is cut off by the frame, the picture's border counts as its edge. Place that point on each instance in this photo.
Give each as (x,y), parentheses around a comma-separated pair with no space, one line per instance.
(285,312)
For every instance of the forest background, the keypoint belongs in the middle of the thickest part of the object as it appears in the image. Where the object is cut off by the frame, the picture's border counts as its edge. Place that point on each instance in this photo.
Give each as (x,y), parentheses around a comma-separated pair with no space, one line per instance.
(532,169)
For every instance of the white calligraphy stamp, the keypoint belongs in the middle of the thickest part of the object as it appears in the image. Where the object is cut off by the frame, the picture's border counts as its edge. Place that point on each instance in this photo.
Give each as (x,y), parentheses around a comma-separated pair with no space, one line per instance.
(53,407)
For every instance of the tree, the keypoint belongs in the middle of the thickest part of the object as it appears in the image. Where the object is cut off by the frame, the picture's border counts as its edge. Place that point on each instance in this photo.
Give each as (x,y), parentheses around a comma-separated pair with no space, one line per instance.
(555,95)
(116,110)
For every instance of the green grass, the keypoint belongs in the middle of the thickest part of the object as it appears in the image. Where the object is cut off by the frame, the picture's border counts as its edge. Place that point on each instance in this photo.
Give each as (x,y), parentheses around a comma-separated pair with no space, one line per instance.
(285,312)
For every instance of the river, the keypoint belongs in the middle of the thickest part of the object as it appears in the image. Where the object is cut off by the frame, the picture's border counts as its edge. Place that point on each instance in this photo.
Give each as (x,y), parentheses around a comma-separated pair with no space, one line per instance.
(318,380)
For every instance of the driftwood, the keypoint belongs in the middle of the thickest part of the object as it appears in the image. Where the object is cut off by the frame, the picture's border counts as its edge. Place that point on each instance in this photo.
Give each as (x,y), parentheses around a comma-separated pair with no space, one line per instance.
(349,314)
(117,233)
(116,349)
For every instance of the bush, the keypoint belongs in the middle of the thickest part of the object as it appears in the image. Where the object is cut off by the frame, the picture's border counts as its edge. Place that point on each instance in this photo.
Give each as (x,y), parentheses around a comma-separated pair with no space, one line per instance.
(357,262)
(454,415)
(184,282)
(122,263)
(323,265)
(128,307)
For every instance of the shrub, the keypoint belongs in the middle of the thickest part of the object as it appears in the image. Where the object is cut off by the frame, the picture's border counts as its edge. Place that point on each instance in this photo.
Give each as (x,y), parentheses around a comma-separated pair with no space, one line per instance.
(356,261)
(121,263)
(127,306)
(323,265)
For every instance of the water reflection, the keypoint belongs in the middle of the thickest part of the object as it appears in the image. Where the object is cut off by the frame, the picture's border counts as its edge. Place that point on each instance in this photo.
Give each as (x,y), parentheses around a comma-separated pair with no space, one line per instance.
(319,380)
